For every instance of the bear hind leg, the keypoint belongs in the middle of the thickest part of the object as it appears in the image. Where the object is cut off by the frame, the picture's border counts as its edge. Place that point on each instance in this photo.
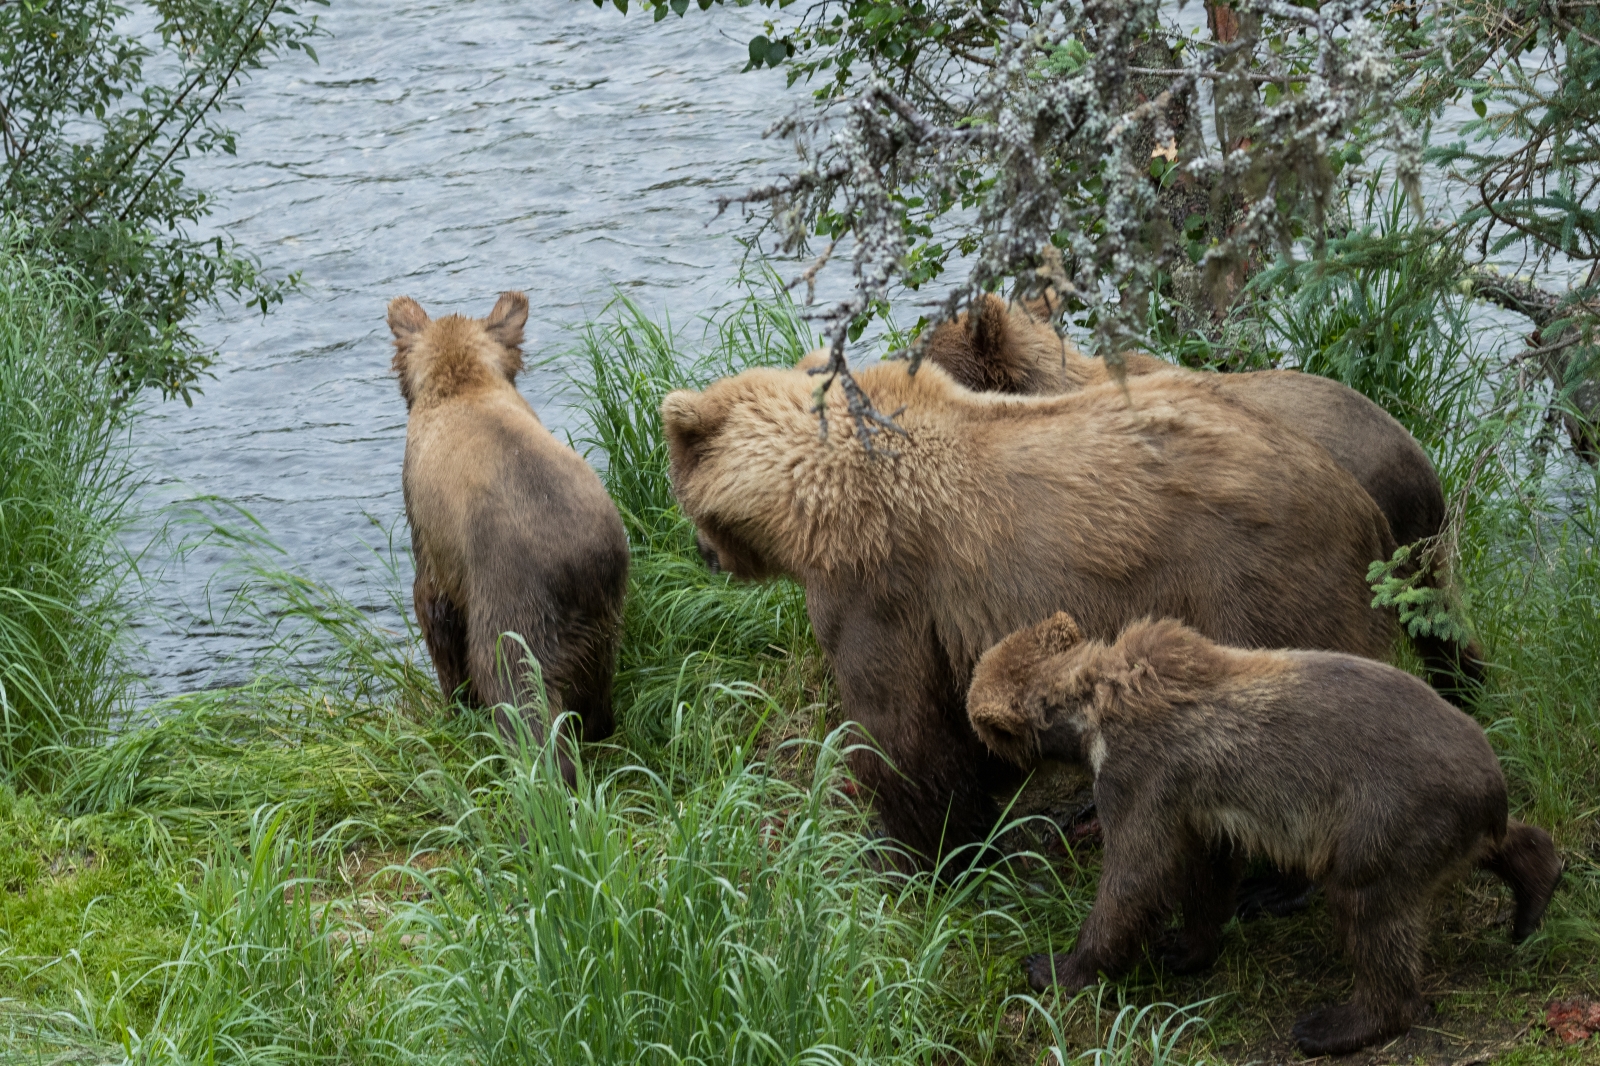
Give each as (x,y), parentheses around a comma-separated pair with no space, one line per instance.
(1380,928)
(444,631)
(505,683)
(588,694)
(1455,668)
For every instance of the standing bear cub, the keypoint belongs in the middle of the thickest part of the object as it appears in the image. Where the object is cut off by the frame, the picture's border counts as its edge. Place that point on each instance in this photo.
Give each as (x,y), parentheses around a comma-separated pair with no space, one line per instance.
(1349,770)
(512,532)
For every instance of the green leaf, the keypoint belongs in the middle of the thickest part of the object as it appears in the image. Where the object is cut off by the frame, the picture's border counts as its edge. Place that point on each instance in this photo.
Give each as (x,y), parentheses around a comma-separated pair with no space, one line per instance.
(680,7)
(758,50)
(777,52)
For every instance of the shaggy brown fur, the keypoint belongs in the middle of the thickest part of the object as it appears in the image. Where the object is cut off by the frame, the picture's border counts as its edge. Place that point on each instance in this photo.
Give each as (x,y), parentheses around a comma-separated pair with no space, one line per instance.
(512,532)
(1013,349)
(1349,770)
(1185,503)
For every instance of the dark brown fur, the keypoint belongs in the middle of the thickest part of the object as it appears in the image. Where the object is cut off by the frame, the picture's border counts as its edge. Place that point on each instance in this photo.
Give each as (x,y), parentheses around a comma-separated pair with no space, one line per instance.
(997,511)
(1013,349)
(1350,771)
(512,531)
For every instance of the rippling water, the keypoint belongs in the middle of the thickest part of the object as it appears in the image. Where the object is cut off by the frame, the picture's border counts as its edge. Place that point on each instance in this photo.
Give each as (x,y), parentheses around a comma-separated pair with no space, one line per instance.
(448,151)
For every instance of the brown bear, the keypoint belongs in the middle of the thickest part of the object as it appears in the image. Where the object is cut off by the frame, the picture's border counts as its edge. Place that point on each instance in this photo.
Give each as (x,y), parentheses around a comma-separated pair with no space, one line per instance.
(991,512)
(1013,349)
(1349,770)
(512,531)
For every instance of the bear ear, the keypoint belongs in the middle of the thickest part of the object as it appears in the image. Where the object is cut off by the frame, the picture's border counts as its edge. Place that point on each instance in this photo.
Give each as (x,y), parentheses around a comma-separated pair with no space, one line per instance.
(990,323)
(814,360)
(995,710)
(1043,305)
(505,322)
(689,418)
(406,319)
(1060,633)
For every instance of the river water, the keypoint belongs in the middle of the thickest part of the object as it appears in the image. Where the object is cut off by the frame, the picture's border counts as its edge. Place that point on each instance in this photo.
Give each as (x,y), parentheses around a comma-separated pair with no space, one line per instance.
(447,150)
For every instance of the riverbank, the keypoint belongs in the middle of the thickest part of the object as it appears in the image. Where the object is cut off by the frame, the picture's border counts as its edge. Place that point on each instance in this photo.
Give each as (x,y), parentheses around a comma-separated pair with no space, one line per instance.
(327,864)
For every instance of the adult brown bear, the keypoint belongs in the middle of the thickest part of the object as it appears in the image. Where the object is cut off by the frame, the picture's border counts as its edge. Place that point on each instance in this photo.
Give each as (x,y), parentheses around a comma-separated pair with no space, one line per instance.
(512,531)
(1182,503)
(1350,771)
(1013,349)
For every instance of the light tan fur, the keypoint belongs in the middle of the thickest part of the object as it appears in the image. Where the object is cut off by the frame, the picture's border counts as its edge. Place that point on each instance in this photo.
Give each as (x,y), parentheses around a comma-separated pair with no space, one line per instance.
(511,530)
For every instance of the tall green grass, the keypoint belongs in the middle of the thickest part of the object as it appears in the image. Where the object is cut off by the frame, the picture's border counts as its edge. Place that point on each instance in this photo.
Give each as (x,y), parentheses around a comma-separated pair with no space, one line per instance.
(65,484)
(683,626)
(733,921)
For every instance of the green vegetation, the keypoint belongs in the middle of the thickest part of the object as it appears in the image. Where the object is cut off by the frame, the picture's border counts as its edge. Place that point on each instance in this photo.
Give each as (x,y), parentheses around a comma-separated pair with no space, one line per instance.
(65,479)
(330,864)
(98,115)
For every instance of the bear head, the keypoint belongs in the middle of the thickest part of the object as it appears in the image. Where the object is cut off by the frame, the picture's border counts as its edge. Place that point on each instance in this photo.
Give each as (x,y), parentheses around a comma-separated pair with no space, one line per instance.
(437,360)
(771,493)
(725,465)
(1027,688)
(1038,692)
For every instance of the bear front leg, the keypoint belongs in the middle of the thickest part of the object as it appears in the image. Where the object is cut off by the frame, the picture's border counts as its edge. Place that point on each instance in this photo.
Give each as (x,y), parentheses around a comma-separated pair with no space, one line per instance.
(931,780)
(1138,882)
(922,799)
(444,631)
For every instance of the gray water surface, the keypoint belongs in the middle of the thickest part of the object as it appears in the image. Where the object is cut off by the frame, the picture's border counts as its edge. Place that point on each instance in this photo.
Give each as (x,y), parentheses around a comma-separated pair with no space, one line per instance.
(445,150)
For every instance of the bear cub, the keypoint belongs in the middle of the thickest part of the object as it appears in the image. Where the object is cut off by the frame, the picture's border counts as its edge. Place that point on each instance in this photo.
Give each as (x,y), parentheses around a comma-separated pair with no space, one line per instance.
(512,531)
(1348,770)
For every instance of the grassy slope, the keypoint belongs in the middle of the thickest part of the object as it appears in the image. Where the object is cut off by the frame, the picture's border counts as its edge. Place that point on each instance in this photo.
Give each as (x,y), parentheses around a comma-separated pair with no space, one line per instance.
(327,865)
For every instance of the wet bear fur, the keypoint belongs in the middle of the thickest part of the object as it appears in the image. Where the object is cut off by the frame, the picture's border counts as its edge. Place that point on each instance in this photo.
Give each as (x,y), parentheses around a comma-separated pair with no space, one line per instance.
(991,513)
(511,530)
(1012,348)
(1350,771)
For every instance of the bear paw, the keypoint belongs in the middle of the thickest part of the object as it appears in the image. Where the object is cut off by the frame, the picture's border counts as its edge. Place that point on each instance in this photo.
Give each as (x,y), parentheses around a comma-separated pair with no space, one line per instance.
(1342,1028)
(1182,953)
(1060,971)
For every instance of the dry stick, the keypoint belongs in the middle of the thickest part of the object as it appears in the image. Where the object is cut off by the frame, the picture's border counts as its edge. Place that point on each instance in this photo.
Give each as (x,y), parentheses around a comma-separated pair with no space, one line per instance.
(810,274)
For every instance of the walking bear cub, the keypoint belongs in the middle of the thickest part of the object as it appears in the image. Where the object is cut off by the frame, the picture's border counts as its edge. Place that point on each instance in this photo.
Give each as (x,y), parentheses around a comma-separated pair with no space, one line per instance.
(512,531)
(1349,770)
(988,513)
